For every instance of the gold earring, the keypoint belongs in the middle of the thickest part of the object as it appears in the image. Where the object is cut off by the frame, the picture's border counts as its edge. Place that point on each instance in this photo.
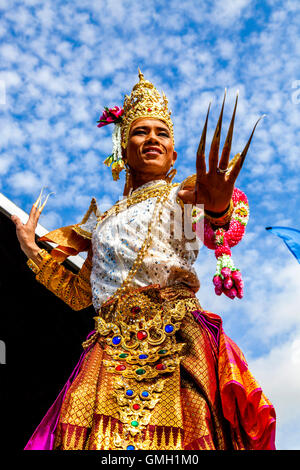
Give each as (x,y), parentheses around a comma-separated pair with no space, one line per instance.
(127,169)
(128,179)
(170,176)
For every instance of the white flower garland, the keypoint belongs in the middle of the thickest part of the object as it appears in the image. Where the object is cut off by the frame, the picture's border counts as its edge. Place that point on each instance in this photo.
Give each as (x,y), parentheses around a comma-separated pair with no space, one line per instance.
(116,139)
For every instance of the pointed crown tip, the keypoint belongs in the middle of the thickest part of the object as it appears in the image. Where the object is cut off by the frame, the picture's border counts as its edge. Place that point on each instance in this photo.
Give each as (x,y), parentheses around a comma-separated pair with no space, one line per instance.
(141,75)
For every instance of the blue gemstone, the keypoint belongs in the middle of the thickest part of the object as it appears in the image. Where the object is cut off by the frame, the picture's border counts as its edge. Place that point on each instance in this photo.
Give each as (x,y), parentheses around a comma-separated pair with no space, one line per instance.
(143,356)
(130,447)
(129,393)
(169,328)
(145,394)
(116,340)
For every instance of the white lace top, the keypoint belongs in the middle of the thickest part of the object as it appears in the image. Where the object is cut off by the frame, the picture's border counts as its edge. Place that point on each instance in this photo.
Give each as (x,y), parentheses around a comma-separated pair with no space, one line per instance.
(117,239)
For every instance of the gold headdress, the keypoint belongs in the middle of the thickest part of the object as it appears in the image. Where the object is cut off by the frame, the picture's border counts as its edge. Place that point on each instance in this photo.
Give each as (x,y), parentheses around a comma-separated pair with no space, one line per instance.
(143,102)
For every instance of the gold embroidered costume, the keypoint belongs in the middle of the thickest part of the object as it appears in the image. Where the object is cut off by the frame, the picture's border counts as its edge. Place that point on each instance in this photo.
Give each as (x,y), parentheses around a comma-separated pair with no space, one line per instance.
(158,371)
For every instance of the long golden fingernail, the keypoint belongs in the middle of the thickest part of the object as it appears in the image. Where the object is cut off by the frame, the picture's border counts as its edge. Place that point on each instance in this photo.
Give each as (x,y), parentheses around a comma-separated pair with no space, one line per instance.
(228,140)
(201,146)
(45,202)
(244,152)
(38,201)
(216,138)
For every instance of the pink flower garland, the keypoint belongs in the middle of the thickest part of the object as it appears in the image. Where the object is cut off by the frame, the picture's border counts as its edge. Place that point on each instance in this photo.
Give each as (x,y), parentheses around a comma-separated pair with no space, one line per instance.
(227,279)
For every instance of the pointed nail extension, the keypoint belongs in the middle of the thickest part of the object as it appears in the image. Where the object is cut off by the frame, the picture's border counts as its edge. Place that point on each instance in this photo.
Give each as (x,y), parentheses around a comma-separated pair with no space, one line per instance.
(38,201)
(244,152)
(228,140)
(200,159)
(216,138)
(201,146)
(45,202)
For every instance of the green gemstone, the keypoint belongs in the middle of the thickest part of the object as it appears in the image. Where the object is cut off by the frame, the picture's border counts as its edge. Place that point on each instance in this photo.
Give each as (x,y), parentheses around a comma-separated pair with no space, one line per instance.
(140,371)
(123,355)
(162,351)
(134,423)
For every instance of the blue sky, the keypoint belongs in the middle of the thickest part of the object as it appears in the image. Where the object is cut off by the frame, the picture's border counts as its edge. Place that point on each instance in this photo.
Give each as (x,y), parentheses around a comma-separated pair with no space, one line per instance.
(62,62)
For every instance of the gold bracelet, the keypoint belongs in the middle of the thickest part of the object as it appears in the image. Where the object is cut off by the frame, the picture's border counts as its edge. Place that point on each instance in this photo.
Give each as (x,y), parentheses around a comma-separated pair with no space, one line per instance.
(31,264)
(224,219)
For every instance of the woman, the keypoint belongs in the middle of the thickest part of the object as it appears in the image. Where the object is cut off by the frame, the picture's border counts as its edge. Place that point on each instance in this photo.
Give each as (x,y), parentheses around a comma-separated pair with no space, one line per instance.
(158,371)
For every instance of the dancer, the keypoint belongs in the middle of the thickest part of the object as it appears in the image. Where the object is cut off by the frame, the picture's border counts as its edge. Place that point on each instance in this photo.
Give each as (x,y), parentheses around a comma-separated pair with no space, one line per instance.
(158,372)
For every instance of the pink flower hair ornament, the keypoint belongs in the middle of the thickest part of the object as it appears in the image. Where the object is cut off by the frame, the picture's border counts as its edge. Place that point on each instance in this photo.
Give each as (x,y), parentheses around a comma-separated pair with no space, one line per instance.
(227,279)
(111,116)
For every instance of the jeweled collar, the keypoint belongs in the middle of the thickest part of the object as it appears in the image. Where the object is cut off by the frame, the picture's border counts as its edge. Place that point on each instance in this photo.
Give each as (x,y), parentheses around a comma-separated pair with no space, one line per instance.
(147,185)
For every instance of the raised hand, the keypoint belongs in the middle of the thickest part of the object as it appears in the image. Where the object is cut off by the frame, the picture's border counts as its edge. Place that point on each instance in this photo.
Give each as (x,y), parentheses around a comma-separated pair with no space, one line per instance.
(26,232)
(215,188)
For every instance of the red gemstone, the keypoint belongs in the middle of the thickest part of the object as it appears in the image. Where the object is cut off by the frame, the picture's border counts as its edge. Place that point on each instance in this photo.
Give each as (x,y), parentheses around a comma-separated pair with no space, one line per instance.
(160,367)
(142,334)
(149,110)
(136,309)
(136,406)
(120,367)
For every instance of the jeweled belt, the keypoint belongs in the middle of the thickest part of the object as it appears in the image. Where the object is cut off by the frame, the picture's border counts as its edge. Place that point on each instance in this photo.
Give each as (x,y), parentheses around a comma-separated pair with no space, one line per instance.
(137,332)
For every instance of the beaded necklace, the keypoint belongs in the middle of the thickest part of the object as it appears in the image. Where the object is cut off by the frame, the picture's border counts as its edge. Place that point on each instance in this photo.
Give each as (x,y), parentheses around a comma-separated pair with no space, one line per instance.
(159,205)
(138,196)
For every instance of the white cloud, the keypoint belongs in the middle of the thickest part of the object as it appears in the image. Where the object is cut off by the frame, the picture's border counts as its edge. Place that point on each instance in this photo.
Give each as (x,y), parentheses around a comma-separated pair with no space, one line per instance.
(25,182)
(45,16)
(277,374)
(50,220)
(10,52)
(11,133)
(6,161)
(78,138)
(11,78)
(89,34)
(225,14)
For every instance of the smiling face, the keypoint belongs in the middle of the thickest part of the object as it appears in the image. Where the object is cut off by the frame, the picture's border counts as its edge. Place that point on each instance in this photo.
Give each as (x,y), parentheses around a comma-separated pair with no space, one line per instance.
(150,149)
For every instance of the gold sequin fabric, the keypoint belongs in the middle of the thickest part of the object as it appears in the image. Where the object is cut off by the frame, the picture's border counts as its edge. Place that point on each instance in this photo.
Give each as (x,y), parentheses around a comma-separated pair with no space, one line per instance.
(74,290)
(149,381)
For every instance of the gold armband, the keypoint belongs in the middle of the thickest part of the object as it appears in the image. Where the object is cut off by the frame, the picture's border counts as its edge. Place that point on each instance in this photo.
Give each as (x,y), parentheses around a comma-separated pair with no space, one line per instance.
(31,264)
(224,219)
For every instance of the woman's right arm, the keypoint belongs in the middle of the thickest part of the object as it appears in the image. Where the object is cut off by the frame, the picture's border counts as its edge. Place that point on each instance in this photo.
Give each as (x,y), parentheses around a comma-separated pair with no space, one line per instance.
(73,289)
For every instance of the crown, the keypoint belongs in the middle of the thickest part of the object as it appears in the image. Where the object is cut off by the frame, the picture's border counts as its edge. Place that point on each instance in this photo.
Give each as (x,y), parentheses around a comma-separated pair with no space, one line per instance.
(144,101)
